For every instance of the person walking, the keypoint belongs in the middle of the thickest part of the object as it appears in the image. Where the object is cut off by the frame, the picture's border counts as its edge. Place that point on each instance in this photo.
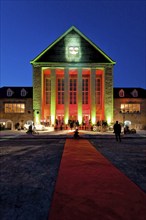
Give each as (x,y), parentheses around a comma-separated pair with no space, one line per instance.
(117,131)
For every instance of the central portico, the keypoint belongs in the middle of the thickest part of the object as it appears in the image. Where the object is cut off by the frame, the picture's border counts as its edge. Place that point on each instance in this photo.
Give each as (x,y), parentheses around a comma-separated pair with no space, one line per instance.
(72,80)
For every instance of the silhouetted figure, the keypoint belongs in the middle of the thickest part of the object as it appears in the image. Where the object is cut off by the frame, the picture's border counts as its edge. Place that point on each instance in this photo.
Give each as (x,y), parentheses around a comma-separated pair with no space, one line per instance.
(71,125)
(76,134)
(126,129)
(117,131)
(29,130)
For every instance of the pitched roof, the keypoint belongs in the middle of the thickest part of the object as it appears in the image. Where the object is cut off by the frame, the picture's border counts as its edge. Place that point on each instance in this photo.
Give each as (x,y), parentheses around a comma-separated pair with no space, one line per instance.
(130,92)
(56,52)
(16,92)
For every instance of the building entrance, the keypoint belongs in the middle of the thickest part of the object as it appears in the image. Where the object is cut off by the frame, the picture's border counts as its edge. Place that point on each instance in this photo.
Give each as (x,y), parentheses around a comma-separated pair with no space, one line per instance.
(86,120)
(60,120)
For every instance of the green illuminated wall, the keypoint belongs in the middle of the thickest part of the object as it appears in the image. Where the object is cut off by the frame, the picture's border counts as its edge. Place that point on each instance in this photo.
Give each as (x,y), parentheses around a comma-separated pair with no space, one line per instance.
(53,96)
(37,94)
(72,40)
(108,93)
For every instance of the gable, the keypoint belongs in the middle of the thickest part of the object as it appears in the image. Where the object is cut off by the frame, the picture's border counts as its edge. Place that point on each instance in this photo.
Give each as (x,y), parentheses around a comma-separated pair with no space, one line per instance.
(73,46)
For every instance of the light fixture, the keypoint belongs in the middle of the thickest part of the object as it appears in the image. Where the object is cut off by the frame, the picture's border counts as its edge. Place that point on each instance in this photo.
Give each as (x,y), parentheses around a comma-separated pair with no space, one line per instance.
(73,50)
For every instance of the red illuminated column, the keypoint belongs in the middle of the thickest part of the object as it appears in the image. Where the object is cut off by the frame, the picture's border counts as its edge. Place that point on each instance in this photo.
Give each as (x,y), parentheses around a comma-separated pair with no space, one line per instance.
(92,95)
(66,95)
(79,98)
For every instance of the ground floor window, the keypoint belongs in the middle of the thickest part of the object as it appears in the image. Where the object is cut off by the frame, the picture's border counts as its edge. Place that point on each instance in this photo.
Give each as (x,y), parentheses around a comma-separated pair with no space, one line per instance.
(130,108)
(60,91)
(48,90)
(73,91)
(14,107)
(98,91)
(85,90)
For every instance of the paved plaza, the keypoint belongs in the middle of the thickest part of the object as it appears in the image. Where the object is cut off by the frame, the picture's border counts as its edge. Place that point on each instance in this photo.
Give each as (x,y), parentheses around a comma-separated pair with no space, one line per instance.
(30,164)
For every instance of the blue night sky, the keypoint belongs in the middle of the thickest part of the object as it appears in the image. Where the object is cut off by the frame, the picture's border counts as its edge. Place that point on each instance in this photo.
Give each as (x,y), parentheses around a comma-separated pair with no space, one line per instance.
(117,27)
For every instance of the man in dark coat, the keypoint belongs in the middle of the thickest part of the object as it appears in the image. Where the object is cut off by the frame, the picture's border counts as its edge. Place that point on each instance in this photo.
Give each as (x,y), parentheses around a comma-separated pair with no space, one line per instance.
(117,131)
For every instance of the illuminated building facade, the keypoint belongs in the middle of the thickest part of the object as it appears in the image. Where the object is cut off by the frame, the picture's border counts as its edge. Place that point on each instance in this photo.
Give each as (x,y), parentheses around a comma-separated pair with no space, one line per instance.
(72,80)
(130,107)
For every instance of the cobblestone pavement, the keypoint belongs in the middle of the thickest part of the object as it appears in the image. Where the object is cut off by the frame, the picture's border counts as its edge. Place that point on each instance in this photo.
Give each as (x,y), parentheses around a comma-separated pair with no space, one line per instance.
(28,172)
(129,156)
(29,166)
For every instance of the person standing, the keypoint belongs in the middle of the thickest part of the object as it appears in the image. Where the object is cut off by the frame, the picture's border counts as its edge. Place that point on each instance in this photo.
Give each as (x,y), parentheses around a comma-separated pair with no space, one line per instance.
(117,131)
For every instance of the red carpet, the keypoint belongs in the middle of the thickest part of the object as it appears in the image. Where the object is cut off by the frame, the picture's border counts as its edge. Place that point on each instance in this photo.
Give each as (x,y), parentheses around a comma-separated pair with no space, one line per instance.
(89,187)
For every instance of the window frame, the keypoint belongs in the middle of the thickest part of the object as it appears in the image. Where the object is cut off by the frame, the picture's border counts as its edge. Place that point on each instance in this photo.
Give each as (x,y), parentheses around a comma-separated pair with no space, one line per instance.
(60,91)
(73,91)
(13,107)
(47,91)
(85,90)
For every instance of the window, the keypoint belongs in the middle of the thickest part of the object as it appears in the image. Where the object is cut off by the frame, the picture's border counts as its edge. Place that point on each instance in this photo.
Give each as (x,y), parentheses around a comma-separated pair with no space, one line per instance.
(134,93)
(48,90)
(98,91)
(9,92)
(85,90)
(121,93)
(60,91)
(14,107)
(73,91)
(23,92)
(130,108)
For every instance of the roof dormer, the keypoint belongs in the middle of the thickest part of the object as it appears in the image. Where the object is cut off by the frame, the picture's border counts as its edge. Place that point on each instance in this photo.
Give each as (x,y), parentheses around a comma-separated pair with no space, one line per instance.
(134,93)
(121,93)
(9,92)
(23,92)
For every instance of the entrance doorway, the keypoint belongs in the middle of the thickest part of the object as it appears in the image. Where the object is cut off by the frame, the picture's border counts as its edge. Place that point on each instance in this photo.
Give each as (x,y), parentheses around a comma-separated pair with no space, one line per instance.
(86,120)
(60,120)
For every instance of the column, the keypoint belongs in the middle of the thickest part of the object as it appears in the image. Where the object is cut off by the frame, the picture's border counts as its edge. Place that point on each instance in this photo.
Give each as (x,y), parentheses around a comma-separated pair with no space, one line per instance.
(53,96)
(79,98)
(93,95)
(37,94)
(108,94)
(66,95)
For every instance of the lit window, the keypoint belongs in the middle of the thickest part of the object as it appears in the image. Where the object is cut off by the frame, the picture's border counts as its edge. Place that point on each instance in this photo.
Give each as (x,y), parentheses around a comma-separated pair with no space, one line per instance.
(14,107)
(130,108)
